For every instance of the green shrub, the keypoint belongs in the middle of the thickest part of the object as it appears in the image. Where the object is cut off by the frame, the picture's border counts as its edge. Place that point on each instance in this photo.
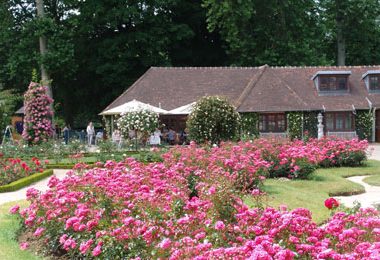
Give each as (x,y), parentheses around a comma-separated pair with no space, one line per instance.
(60,166)
(304,168)
(107,146)
(213,120)
(310,125)
(295,121)
(352,159)
(250,125)
(147,157)
(363,122)
(23,182)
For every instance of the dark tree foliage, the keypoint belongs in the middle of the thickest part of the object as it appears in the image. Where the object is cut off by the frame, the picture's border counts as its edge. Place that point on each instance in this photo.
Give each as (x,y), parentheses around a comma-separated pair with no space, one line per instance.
(360,21)
(276,32)
(98,48)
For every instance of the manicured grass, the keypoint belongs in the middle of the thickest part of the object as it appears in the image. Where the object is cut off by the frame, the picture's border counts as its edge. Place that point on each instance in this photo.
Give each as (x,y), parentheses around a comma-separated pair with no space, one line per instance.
(373,180)
(312,193)
(9,247)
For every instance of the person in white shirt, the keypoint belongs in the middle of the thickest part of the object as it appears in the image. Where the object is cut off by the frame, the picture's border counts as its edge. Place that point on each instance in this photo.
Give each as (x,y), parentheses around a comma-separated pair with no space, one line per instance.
(155,138)
(116,137)
(90,133)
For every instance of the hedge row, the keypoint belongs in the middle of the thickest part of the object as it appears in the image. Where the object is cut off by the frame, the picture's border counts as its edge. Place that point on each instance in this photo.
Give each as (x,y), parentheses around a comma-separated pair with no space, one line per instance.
(60,166)
(23,182)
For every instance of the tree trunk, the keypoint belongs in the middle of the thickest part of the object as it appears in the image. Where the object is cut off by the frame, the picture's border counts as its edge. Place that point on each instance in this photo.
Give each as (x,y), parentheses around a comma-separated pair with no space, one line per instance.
(43,48)
(341,43)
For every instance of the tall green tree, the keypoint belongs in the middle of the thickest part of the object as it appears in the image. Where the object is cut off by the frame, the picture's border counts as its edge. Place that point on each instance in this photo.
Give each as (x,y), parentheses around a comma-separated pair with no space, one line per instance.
(352,30)
(201,47)
(99,48)
(276,32)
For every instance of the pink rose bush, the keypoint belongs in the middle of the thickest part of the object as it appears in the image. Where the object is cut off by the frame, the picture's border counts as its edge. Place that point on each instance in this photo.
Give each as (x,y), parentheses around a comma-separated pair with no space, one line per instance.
(38,114)
(189,207)
(273,158)
(297,159)
(12,169)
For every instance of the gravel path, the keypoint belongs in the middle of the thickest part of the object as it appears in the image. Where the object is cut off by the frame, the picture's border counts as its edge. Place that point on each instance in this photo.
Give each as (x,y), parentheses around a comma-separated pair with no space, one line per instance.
(367,199)
(21,194)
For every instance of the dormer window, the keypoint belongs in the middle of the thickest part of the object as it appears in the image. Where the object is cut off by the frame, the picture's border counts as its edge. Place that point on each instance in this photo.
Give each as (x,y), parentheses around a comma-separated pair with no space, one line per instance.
(372,81)
(331,81)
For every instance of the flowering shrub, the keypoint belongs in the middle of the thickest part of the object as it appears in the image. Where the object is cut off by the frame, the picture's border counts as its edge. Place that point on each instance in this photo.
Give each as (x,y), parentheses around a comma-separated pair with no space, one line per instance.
(129,210)
(240,164)
(38,115)
(339,152)
(143,121)
(296,159)
(12,169)
(213,120)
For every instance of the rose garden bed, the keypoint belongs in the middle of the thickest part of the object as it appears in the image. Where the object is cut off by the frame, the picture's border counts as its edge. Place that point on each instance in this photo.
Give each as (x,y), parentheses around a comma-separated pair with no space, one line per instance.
(190,206)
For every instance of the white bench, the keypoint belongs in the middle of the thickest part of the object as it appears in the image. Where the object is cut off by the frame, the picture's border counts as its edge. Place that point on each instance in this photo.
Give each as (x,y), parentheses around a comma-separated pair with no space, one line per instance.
(270,135)
(343,135)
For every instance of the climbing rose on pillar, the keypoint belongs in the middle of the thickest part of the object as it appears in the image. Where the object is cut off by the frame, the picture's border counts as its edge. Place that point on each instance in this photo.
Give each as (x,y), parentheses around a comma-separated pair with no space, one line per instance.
(38,114)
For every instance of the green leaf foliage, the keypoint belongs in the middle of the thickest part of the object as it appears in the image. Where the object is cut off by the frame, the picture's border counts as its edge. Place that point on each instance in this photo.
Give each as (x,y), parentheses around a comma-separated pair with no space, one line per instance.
(295,122)
(213,120)
(310,123)
(363,123)
(250,125)
(8,101)
(273,32)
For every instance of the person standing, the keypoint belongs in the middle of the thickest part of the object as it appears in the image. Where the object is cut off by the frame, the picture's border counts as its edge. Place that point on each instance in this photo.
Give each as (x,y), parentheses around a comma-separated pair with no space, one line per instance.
(66,134)
(155,138)
(90,133)
(171,136)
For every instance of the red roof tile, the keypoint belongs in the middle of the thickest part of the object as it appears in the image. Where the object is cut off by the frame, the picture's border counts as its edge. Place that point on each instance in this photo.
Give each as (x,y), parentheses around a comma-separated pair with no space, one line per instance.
(262,88)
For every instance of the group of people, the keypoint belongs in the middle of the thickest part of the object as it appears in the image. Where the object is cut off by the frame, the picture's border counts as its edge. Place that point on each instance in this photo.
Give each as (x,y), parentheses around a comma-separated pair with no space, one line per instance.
(158,137)
(168,136)
(90,130)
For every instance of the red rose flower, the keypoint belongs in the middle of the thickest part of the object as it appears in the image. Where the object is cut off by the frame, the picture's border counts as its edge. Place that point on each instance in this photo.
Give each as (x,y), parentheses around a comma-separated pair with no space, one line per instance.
(331,203)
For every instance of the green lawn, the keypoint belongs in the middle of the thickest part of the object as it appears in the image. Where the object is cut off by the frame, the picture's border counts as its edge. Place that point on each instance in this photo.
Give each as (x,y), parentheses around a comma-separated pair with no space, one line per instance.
(312,193)
(373,180)
(9,247)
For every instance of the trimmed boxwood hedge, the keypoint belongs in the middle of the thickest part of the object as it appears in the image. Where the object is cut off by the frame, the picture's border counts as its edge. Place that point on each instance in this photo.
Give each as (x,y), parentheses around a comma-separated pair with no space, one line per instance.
(60,166)
(23,182)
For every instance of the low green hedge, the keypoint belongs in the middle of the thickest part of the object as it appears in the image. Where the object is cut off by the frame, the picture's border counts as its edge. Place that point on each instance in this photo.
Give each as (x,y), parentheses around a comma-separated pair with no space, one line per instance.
(60,166)
(23,182)
(68,166)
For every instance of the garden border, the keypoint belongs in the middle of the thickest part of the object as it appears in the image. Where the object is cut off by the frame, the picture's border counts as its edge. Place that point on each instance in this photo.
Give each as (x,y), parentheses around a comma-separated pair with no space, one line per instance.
(23,182)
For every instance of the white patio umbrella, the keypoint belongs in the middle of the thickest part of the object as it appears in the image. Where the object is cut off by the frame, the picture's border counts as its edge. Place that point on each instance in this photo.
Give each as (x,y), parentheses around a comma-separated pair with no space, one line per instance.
(133,106)
(183,110)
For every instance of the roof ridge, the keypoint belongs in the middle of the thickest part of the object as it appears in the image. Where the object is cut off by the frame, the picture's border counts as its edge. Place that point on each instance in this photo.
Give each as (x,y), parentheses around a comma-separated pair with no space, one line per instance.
(200,67)
(251,84)
(259,67)
(324,66)
(128,89)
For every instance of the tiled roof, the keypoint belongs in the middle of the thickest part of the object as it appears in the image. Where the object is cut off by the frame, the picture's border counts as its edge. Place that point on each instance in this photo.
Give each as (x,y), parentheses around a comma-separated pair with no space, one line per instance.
(262,88)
